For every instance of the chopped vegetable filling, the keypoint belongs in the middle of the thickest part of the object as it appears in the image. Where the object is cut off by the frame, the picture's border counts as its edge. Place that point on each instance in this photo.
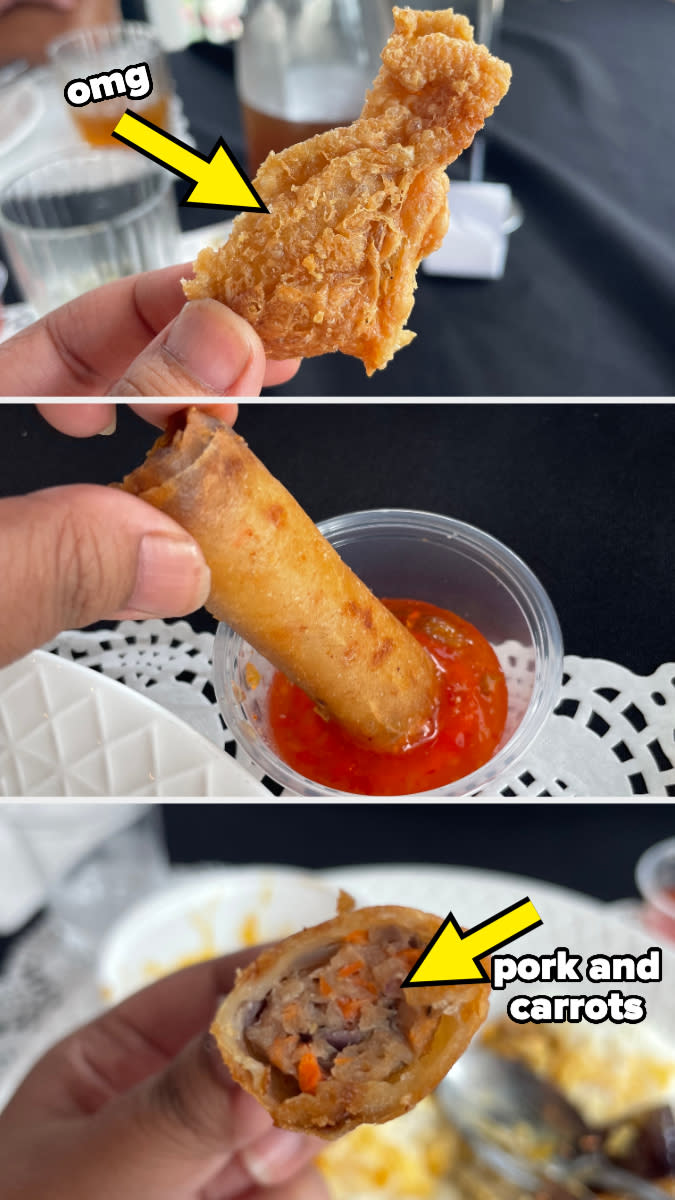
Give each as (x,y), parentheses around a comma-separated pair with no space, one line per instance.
(345,1018)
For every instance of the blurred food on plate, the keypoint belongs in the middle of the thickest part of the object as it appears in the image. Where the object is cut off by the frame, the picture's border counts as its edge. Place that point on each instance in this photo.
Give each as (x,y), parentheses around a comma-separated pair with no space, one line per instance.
(422,1155)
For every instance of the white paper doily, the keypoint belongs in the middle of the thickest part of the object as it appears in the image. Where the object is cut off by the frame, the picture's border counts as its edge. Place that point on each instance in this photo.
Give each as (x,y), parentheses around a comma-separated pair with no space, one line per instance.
(612,735)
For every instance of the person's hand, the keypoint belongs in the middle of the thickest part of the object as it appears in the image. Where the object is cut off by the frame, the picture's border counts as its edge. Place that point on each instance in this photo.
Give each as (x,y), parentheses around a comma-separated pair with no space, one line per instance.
(139,337)
(60,5)
(73,555)
(139,1106)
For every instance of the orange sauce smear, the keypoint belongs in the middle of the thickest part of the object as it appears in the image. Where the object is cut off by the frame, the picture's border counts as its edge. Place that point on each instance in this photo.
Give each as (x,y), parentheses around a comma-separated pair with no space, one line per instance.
(469,725)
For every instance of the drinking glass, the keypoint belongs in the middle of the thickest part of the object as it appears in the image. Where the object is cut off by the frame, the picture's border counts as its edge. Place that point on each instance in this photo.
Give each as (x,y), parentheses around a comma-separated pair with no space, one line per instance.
(303,66)
(107,48)
(85,218)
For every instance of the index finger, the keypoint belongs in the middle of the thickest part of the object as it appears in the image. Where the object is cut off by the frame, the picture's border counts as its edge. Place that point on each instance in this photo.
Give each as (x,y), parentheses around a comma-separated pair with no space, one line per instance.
(132,1041)
(85,420)
(170,1012)
(84,347)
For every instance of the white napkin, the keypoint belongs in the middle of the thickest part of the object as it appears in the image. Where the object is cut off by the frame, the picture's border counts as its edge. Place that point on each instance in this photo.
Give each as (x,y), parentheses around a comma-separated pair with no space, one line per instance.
(40,843)
(475,247)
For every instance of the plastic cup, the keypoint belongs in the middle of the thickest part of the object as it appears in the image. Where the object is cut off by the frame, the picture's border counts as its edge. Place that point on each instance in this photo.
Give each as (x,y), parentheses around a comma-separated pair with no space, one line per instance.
(85,218)
(655,879)
(422,556)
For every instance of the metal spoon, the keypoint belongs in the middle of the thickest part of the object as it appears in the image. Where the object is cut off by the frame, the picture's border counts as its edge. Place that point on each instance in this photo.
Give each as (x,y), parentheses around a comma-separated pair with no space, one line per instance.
(490,1098)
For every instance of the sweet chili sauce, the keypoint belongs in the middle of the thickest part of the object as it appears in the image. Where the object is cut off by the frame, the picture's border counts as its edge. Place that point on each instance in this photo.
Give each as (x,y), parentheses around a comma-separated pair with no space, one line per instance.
(470,720)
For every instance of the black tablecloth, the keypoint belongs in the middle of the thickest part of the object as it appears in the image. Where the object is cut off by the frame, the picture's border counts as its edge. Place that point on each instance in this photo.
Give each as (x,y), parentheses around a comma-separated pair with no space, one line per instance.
(585,139)
(584,493)
(592,848)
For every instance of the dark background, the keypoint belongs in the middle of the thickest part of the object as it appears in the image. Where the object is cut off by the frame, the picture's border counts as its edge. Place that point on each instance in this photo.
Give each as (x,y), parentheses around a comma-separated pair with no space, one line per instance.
(584,493)
(586,140)
(592,848)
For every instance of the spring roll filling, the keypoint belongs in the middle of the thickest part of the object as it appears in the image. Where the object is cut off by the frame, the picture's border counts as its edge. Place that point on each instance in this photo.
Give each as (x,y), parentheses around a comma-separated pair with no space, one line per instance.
(344,1018)
(182,445)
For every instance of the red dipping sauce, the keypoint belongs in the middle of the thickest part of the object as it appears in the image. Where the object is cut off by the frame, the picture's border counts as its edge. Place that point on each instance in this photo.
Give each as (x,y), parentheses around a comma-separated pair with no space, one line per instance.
(469,726)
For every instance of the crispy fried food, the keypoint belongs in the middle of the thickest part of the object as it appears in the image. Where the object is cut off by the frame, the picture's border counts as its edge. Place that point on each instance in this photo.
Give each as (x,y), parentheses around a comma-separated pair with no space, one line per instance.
(282,586)
(355,210)
(319,1030)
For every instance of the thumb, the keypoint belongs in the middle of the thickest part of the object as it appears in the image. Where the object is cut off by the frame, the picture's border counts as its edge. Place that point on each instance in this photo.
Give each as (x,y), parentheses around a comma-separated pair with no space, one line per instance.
(207,350)
(73,555)
(189,1128)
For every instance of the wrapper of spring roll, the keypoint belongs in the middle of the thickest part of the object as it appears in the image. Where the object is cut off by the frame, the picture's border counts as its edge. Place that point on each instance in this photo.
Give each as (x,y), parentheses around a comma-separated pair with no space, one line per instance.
(319,1030)
(278,582)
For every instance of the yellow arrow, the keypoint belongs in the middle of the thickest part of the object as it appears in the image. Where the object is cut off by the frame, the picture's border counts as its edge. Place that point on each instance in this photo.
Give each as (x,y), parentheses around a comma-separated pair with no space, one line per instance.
(453,955)
(219,180)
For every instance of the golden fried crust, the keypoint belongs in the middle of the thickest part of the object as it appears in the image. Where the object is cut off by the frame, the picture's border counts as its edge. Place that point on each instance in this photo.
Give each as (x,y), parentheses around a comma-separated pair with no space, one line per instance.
(353,211)
(337,1107)
(278,582)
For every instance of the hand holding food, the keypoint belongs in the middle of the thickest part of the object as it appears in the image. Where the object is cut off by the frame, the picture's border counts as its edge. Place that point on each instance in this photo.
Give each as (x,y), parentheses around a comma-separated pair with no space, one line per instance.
(77,554)
(319,1030)
(352,212)
(136,337)
(137,1104)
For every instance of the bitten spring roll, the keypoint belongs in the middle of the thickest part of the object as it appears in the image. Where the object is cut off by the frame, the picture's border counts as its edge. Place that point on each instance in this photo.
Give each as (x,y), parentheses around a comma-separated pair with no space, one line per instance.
(319,1030)
(278,582)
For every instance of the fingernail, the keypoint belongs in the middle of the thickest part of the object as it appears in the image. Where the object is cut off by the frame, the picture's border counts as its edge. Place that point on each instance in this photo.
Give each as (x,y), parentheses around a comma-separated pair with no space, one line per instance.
(211,343)
(272,1158)
(171,577)
(109,429)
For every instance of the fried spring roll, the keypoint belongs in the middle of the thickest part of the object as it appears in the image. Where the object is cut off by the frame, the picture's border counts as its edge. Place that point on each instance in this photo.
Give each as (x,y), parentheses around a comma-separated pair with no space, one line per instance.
(320,1032)
(278,582)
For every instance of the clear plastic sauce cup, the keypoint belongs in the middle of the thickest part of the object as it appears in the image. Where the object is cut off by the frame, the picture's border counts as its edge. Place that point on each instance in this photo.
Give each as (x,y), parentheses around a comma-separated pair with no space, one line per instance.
(655,879)
(421,556)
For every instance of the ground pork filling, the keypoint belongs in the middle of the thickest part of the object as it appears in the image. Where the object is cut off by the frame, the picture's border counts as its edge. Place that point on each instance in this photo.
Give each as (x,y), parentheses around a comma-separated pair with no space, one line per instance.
(342,1015)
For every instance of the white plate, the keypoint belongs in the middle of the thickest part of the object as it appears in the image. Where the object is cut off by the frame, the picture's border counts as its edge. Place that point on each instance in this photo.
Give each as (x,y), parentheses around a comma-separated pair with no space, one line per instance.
(21,106)
(66,730)
(205,912)
(585,926)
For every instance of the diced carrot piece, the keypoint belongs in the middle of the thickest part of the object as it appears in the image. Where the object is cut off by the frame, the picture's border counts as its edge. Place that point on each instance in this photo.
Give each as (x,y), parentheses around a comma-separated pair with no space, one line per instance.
(420,1032)
(324,986)
(280,1050)
(350,969)
(359,936)
(409,955)
(309,1073)
(350,1008)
